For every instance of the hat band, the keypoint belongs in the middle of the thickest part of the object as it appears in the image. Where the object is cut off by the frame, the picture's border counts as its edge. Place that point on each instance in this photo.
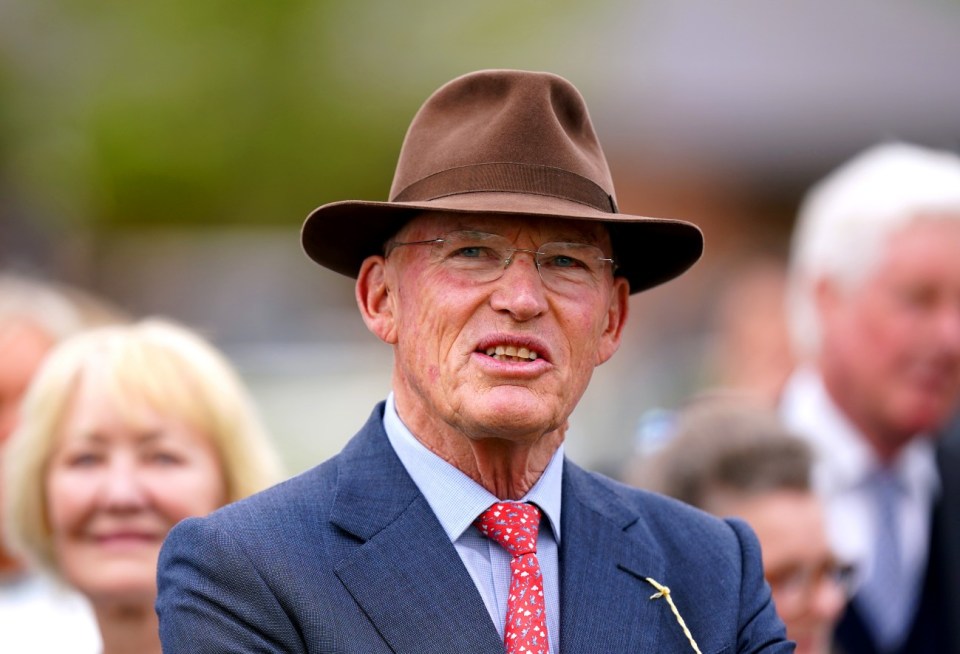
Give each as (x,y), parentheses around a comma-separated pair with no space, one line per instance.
(509,178)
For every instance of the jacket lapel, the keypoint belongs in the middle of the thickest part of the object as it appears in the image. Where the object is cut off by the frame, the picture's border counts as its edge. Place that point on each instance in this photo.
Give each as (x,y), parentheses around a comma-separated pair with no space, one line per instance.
(606,604)
(404,572)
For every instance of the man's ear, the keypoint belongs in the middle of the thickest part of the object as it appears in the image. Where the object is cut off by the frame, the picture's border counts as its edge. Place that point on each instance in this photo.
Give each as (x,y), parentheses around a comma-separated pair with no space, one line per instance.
(376,298)
(616,319)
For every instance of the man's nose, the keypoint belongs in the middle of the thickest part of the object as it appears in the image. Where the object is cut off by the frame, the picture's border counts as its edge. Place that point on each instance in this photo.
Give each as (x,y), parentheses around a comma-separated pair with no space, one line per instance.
(828,599)
(522,253)
(520,289)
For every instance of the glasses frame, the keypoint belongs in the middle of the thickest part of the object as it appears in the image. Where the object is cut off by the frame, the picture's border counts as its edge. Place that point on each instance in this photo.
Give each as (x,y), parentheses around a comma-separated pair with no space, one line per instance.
(511,252)
(797,587)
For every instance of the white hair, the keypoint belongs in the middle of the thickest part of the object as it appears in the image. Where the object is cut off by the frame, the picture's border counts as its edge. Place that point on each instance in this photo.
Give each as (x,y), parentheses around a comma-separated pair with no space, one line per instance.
(845,222)
(28,300)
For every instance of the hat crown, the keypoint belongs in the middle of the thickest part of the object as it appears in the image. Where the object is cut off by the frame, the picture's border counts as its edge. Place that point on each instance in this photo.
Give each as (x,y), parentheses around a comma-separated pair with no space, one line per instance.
(510,143)
(535,121)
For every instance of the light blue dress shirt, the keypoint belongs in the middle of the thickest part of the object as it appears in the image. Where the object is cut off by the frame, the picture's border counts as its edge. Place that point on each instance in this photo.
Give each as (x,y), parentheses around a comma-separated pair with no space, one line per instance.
(457,500)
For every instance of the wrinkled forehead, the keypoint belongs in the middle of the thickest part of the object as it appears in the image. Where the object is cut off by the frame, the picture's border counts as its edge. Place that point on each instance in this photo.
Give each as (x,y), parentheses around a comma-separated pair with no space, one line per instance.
(532,230)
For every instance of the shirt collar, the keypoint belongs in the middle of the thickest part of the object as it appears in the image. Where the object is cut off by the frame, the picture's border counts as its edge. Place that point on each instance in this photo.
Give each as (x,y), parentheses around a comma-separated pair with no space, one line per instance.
(845,459)
(455,498)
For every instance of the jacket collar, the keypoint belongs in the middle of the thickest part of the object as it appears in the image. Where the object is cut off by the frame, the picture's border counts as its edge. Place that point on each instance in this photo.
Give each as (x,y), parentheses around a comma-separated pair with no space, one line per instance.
(403,557)
(606,553)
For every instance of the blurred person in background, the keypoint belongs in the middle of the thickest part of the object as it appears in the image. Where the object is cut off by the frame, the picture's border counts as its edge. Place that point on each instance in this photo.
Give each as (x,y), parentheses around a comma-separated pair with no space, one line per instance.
(499,274)
(124,431)
(875,316)
(34,316)
(732,456)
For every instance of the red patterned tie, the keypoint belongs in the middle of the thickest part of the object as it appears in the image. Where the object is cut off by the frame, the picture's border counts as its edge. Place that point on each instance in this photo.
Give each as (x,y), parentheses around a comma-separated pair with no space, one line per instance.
(514,526)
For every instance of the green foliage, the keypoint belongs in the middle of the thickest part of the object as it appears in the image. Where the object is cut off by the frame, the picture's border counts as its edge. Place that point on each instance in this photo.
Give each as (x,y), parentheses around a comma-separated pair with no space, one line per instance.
(207,111)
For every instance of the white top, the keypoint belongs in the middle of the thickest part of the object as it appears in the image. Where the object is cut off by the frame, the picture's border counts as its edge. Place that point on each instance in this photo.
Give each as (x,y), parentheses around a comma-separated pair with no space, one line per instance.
(40,616)
(844,462)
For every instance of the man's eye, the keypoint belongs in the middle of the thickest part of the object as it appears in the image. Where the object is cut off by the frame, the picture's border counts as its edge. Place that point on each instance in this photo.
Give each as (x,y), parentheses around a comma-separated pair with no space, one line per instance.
(473,252)
(564,261)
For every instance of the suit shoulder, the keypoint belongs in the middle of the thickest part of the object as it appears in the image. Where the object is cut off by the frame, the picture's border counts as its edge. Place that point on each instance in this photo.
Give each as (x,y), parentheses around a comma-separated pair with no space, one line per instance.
(638,498)
(663,517)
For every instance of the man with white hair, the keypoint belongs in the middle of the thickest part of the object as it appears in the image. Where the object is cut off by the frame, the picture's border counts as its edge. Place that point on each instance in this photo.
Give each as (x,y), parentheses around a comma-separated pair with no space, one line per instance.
(875,314)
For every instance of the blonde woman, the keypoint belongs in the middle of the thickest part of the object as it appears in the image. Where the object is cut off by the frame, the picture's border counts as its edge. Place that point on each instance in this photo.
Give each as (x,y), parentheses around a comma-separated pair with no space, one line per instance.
(125,431)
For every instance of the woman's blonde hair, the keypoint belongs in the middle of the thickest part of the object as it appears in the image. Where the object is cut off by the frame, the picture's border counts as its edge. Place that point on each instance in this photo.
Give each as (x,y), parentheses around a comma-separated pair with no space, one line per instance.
(156,363)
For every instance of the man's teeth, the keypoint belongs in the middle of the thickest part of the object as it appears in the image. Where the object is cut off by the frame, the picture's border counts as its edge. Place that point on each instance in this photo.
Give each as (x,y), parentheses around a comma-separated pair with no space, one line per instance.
(511,353)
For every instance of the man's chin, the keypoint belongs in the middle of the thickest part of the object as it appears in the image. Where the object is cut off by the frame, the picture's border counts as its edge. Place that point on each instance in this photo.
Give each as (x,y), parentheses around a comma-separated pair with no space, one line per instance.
(517,430)
(915,412)
(811,643)
(517,418)
(926,420)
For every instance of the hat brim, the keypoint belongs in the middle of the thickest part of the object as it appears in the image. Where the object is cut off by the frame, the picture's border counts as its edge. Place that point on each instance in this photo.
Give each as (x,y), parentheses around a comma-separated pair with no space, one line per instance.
(649,251)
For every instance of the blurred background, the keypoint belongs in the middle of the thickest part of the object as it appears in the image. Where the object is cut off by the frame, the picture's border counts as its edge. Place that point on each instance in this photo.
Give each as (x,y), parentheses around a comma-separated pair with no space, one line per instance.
(164,155)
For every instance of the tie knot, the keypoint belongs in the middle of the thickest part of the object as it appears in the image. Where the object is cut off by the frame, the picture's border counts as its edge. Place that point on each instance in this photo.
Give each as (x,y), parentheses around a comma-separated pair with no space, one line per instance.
(513,525)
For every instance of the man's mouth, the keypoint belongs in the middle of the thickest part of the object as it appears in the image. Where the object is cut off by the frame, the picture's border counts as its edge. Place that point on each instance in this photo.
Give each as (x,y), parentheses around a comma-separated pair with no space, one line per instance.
(511,353)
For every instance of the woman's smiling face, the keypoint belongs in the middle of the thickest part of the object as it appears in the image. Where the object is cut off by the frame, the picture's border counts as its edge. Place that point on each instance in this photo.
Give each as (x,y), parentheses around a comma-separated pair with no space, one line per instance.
(118,479)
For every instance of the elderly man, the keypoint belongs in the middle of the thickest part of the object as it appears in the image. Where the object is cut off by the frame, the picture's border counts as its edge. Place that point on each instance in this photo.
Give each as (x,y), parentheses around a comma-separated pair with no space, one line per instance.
(499,272)
(875,286)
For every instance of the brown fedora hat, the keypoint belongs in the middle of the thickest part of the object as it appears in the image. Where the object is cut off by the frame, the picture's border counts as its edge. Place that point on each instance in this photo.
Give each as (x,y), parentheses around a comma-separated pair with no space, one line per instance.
(503,142)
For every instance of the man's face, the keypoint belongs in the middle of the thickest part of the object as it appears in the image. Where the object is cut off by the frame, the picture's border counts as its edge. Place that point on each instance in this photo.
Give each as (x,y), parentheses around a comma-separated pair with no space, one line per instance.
(445,325)
(891,345)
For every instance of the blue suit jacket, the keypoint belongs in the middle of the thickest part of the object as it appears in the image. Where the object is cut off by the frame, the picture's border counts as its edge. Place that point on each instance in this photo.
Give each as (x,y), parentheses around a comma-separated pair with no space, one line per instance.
(349,557)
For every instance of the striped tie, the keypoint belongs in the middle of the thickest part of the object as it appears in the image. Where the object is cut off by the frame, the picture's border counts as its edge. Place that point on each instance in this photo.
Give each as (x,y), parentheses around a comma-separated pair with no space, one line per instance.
(887,598)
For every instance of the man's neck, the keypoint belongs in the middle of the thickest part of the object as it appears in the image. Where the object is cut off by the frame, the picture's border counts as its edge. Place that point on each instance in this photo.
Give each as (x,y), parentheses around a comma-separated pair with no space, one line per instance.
(507,464)
(886,444)
(508,470)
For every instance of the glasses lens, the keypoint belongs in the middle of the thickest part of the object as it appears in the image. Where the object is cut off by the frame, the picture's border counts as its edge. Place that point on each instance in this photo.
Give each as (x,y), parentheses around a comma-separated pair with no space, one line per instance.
(844,575)
(476,254)
(571,263)
(794,586)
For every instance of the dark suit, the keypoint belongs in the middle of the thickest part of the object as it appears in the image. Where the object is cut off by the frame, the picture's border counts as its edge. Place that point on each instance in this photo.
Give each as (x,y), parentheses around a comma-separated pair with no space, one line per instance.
(349,557)
(936,629)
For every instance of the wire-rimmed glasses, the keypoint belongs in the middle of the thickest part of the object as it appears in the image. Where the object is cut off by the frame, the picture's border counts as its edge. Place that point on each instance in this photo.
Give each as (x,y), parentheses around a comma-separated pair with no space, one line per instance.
(794,586)
(482,257)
